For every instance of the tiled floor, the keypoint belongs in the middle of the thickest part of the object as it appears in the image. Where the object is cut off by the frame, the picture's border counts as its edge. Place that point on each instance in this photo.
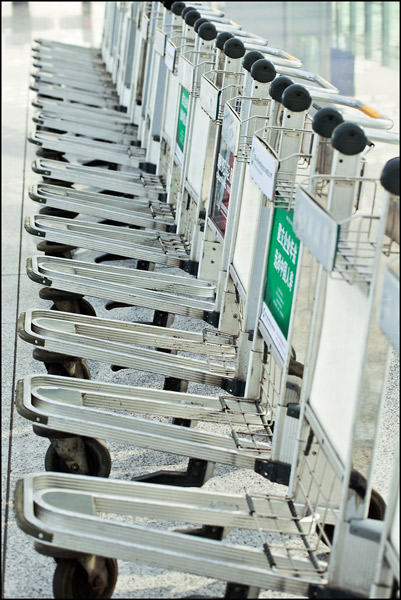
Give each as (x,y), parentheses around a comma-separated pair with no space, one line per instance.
(26,574)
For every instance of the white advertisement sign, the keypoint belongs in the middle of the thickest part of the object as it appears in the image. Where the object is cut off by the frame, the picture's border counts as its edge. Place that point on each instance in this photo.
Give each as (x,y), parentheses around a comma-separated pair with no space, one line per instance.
(316,228)
(169,57)
(274,331)
(209,98)
(263,167)
(160,42)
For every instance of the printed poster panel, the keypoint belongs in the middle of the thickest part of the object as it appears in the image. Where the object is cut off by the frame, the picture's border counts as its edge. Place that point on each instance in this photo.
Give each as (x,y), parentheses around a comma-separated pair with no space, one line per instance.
(169,55)
(280,281)
(182,125)
(316,229)
(224,171)
(263,167)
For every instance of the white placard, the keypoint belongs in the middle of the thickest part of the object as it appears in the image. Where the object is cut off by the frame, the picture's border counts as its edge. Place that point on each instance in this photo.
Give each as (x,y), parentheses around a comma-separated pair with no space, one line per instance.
(209,98)
(185,73)
(263,167)
(316,228)
(169,57)
(160,42)
(274,331)
(230,128)
(342,345)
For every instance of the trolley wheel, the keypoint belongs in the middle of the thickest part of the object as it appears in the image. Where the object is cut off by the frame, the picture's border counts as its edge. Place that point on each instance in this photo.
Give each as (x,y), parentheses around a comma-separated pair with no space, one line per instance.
(84,308)
(59,369)
(97,455)
(71,580)
(377,509)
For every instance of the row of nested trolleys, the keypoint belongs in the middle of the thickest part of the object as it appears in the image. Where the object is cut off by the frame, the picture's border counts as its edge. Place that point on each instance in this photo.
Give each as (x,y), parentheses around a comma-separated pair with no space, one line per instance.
(285,245)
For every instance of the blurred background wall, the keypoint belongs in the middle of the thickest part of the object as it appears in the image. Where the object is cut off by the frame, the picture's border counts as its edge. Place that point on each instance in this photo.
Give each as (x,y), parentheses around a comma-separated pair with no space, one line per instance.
(355,45)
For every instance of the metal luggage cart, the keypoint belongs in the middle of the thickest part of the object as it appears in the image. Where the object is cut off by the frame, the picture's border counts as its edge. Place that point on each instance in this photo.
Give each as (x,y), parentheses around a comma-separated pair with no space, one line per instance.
(386,583)
(141,212)
(49,119)
(74,330)
(127,52)
(33,226)
(86,149)
(81,520)
(334,359)
(108,238)
(134,182)
(89,180)
(65,79)
(38,226)
(251,439)
(155,246)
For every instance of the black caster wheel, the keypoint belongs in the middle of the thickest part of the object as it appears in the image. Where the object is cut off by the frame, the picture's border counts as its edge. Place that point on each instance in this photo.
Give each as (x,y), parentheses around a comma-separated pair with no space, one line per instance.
(59,369)
(84,308)
(57,212)
(97,455)
(71,580)
(67,302)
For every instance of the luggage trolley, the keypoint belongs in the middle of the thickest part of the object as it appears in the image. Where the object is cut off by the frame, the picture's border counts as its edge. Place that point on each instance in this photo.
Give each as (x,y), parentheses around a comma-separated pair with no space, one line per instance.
(66,60)
(29,410)
(367,241)
(51,191)
(79,518)
(58,236)
(40,226)
(153,208)
(141,398)
(65,173)
(102,124)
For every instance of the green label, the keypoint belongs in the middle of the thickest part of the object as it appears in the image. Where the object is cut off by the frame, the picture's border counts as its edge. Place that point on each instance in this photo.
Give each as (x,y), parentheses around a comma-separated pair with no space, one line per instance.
(280,281)
(182,125)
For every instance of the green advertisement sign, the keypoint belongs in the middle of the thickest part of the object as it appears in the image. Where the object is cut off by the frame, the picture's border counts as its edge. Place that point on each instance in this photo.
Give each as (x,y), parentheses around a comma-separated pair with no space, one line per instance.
(280,280)
(182,125)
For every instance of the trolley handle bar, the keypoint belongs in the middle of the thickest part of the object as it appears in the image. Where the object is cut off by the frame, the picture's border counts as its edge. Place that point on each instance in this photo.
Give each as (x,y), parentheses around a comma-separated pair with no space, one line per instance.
(373,118)
(312,77)
(281,57)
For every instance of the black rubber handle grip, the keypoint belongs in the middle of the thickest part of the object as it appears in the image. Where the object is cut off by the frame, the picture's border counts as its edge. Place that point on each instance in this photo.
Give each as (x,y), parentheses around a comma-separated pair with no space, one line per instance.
(263,70)
(177,7)
(390,177)
(326,120)
(349,139)
(200,22)
(234,48)
(207,31)
(191,17)
(222,38)
(250,58)
(278,86)
(296,98)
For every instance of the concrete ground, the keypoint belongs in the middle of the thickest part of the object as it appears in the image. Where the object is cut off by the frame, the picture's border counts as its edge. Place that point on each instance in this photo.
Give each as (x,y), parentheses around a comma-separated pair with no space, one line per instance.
(25,573)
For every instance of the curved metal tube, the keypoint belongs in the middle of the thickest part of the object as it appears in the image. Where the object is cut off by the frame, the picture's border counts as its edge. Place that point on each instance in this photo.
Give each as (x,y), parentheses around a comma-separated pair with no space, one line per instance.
(373,118)
(280,56)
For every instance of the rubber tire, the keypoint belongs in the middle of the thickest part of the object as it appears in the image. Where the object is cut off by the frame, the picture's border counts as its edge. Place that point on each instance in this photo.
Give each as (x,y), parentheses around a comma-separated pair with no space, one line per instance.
(85,308)
(97,454)
(58,369)
(70,580)
(377,508)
